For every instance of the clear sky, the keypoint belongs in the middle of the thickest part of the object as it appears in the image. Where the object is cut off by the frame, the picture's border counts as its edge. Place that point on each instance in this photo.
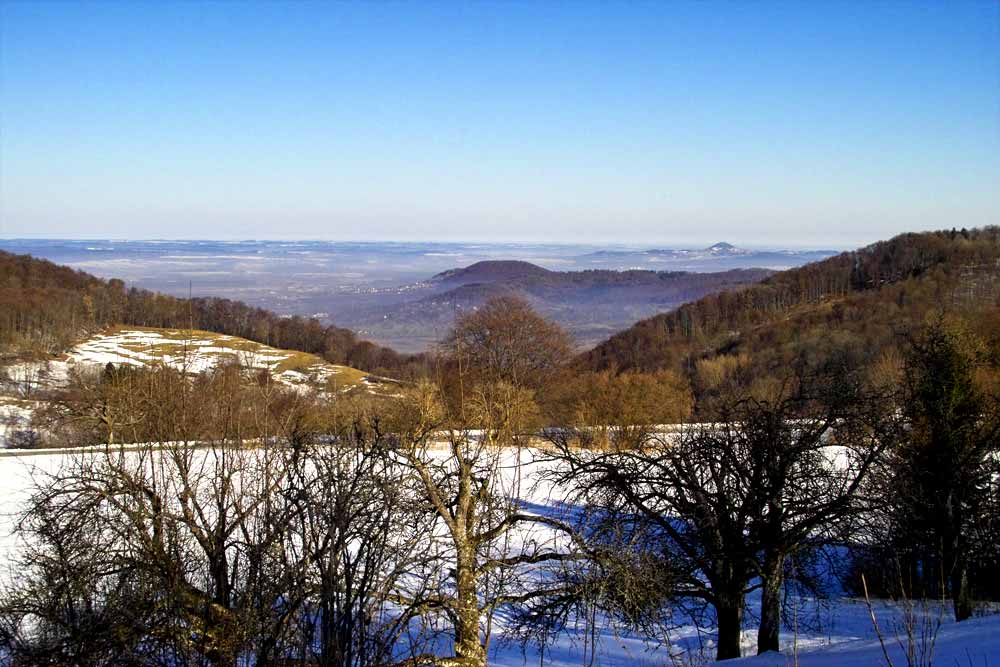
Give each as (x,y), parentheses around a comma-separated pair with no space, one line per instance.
(802,123)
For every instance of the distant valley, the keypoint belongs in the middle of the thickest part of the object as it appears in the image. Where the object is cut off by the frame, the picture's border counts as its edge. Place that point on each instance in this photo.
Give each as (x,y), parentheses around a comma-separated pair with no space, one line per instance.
(406,295)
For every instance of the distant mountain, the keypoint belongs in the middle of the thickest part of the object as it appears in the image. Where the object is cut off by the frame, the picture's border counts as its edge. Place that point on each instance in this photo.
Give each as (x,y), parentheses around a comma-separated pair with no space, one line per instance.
(593,285)
(717,257)
(723,248)
(491,271)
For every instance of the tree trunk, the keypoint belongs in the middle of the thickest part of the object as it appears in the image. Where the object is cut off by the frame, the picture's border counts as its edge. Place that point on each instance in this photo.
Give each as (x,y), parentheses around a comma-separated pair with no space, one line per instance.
(327,630)
(960,594)
(469,651)
(729,613)
(768,635)
(956,560)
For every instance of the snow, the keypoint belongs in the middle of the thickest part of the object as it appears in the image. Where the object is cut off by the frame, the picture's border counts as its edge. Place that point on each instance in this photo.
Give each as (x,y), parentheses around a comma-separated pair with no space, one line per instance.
(15,485)
(972,643)
(14,416)
(830,632)
(191,353)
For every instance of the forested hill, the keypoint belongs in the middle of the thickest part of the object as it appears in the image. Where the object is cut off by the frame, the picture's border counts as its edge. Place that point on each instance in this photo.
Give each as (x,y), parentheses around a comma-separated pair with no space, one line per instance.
(45,308)
(492,271)
(861,298)
(639,285)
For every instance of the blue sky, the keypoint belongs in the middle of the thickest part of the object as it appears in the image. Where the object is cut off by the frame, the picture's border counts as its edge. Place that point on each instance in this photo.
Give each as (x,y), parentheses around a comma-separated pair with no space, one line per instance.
(825,124)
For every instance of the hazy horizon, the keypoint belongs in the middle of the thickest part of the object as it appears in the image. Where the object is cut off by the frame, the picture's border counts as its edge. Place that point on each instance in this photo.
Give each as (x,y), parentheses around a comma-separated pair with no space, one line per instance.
(677,245)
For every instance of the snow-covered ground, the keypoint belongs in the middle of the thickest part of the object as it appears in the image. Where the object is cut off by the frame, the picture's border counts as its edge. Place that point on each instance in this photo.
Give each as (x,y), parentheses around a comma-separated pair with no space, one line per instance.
(828,633)
(972,643)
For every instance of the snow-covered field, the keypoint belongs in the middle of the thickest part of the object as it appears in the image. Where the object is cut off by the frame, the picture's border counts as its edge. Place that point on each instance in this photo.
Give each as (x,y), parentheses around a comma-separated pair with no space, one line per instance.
(828,633)
(191,351)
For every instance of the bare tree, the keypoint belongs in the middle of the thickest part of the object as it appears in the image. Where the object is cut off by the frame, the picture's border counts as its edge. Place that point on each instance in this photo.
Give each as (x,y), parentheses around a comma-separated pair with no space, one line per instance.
(358,530)
(725,504)
(192,523)
(197,526)
(470,479)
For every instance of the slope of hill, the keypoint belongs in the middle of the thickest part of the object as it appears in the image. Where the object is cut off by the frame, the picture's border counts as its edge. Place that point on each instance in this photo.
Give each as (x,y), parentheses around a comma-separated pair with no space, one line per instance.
(861,298)
(188,350)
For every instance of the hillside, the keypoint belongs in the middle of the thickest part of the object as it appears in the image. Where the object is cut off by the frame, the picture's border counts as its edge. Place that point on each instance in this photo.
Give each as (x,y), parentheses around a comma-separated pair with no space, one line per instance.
(45,308)
(28,386)
(857,300)
(590,304)
(195,351)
